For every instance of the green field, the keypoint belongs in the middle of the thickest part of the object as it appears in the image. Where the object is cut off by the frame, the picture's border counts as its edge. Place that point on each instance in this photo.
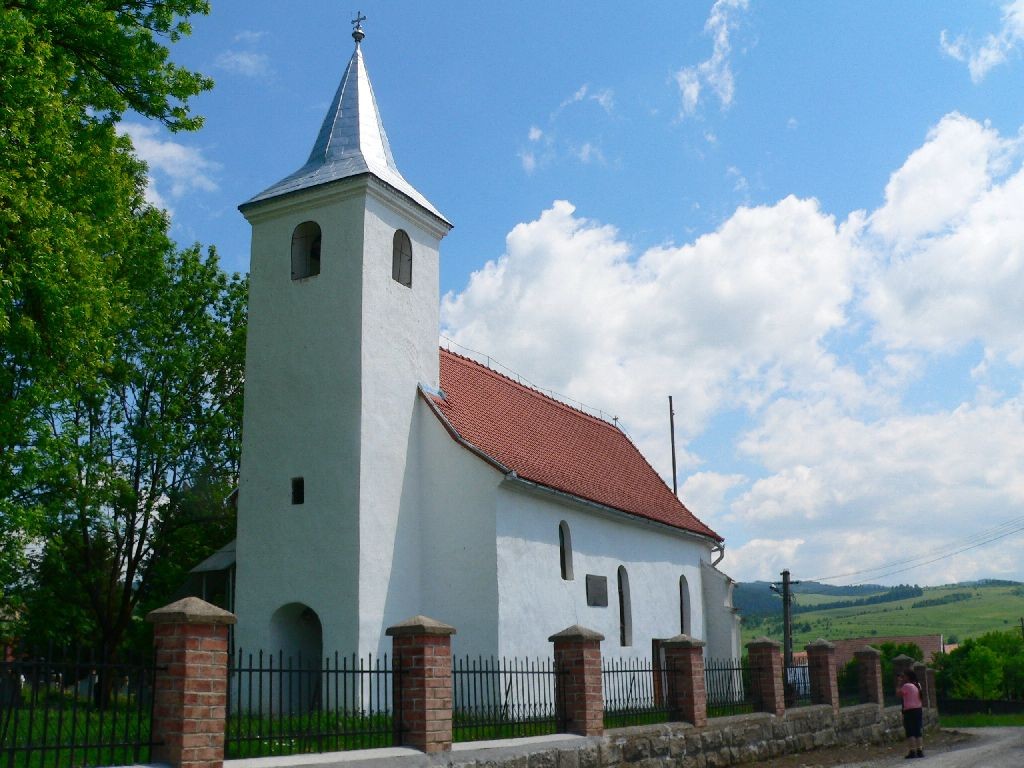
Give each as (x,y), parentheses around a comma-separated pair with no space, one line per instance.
(982,609)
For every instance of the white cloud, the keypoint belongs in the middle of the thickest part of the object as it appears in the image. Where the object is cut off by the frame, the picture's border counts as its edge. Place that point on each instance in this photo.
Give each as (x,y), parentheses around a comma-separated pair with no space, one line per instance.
(705,492)
(740,183)
(551,147)
(729,319)
(249,37)
(590,153)
(714,72)
(245,63)
(956,211)
(170,163)
(604,98)
(816,332)
(996,47)
(762,559)
(869,487)
(940,181)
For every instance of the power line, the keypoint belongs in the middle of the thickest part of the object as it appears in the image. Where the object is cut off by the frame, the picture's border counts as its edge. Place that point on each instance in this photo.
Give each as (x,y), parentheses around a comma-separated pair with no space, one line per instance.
(974,541)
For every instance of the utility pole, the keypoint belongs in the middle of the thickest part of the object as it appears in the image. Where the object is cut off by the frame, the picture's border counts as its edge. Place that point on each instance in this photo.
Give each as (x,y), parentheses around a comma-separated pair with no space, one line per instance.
(787,616)
(672,431)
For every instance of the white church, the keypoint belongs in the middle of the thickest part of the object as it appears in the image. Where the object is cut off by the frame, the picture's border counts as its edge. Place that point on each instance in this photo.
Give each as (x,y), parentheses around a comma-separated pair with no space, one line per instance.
(383,477)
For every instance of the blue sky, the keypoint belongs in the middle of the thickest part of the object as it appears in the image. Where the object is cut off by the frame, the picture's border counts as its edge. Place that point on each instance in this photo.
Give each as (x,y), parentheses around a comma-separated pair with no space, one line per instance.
(805,221)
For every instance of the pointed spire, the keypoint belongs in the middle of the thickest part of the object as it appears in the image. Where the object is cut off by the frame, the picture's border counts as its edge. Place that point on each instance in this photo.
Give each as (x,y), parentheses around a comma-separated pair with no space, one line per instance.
(352,140)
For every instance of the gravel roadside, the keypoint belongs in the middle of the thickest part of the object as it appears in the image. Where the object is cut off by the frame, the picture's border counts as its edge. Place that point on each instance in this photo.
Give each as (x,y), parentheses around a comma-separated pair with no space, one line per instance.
(934,743)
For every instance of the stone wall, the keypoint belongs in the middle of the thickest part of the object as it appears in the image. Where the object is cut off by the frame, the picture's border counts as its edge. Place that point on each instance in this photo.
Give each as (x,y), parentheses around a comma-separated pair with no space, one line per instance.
(725,741)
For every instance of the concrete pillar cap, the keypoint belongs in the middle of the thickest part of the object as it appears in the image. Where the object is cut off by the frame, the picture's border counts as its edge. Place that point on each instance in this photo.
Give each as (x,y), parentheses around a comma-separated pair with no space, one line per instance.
(419,625)
(683,641)
(576,632)
(819,644)
(764,642)
(902,658)
(190,610)
(867,650)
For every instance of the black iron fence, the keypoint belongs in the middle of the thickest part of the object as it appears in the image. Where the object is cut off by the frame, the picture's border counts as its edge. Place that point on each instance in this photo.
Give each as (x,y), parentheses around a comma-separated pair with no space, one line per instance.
(75,708)
(797,686)
(634,692)
(504,698)
(287,705)
(729,686)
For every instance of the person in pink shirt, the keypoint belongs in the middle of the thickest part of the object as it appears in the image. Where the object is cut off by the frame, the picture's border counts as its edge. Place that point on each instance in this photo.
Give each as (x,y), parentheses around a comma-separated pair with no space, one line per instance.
(908,689)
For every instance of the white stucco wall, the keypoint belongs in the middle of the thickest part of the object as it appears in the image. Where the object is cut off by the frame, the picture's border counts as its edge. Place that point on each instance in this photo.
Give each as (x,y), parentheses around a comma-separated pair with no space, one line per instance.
(721,621)
(459,557)
(535,602)
(400,328)
(301,419)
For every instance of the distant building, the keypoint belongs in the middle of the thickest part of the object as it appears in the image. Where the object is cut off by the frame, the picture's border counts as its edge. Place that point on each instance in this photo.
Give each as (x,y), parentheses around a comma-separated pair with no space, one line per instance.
(930,645)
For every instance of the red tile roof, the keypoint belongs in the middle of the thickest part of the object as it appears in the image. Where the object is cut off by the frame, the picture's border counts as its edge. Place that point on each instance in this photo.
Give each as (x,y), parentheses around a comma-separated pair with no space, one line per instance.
(552,444)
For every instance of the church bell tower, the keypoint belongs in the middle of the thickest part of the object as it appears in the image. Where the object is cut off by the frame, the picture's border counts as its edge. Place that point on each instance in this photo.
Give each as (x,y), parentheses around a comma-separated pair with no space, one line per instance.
(343,329)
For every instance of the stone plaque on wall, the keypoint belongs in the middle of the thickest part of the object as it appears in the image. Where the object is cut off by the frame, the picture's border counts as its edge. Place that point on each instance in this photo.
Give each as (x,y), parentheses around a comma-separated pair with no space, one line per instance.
(597,590)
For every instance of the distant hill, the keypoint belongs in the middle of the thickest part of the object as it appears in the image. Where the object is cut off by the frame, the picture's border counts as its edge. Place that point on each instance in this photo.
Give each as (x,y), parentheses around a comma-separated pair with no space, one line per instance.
(757,599)
(957,611)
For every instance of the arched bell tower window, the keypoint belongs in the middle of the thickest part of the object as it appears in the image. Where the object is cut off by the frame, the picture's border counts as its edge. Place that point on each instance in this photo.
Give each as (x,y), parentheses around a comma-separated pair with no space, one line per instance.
(401,258)
(306,250)
(625,609)
(565,550)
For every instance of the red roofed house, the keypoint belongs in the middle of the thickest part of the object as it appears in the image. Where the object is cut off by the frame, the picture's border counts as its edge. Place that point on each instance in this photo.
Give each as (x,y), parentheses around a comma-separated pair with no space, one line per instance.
(382,478)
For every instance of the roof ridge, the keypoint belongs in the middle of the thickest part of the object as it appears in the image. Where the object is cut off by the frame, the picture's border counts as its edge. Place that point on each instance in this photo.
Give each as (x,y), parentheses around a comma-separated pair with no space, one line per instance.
(536,392)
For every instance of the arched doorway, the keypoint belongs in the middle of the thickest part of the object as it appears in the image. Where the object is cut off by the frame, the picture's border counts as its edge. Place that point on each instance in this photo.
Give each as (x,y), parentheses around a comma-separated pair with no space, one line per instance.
(297,640)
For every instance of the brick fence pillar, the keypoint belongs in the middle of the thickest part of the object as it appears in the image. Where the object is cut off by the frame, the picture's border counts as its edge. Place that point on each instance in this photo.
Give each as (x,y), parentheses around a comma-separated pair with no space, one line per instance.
(921,671)
(684,666)
(933,692)
(869,676)
(900,664)
(190,639)
(422,663)
(766,676)
(579,697)
(821,667)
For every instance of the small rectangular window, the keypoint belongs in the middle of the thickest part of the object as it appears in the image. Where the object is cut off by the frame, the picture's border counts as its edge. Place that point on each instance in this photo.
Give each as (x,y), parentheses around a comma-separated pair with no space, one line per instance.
(298,490)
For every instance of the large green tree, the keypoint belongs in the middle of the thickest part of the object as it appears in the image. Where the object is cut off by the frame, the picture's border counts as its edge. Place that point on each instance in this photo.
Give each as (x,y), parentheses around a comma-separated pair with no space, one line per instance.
(71,208)
(127,462)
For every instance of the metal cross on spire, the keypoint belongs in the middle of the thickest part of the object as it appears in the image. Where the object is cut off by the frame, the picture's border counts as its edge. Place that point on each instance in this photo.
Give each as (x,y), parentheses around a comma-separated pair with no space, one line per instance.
(357,27)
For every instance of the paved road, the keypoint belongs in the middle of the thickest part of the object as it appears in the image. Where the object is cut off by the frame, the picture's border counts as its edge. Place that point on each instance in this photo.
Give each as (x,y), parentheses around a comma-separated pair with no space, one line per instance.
(994,748)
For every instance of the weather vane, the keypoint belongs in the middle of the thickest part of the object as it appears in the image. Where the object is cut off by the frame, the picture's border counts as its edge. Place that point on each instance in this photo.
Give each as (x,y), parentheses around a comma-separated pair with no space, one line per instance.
(357,27)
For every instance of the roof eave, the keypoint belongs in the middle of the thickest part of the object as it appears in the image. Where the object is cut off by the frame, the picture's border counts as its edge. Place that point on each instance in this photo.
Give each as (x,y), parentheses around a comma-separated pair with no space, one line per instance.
(618,514)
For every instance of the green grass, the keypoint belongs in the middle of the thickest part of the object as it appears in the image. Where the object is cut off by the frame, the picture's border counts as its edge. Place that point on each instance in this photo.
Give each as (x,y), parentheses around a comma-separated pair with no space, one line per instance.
(981,720)
(467,728)
(57,732)
(629,719)
(250,735)
(989,608)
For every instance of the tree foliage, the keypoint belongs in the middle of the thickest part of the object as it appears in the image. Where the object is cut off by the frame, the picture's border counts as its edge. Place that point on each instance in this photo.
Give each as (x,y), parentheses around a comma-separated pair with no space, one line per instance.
(71,210)
(122,455)
(986,667)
